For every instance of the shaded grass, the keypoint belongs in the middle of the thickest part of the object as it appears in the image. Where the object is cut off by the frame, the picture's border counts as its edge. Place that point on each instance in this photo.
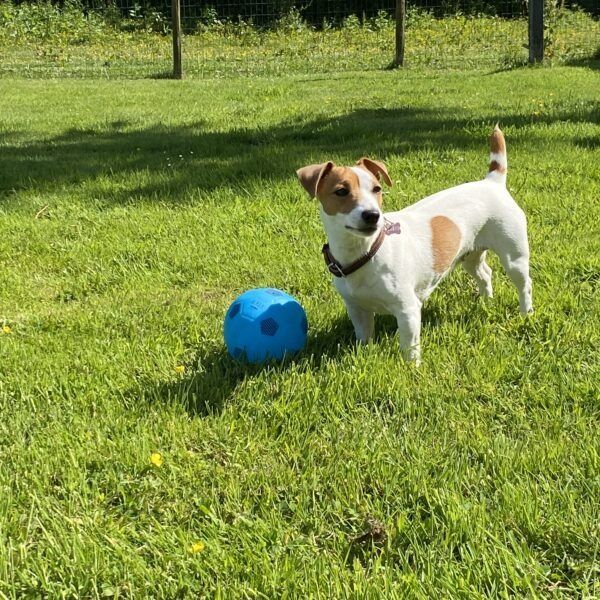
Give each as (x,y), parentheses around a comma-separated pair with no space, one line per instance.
(133,213)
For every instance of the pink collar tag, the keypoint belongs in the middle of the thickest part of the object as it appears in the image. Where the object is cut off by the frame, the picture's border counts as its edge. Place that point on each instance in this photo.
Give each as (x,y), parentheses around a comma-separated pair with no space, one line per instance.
(392,228)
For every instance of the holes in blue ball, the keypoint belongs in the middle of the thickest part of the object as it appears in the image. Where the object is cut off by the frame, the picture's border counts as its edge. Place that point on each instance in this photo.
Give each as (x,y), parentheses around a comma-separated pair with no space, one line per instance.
(235,309)
(237,352)
(269,327)
(304,325)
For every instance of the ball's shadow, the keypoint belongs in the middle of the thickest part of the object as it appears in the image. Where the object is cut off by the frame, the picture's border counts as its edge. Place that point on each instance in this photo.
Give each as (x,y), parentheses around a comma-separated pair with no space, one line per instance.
(214,376)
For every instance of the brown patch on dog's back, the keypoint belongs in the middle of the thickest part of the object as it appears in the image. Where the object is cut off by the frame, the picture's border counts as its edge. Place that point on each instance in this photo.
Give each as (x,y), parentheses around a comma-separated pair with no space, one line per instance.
(445,242)
(337,178)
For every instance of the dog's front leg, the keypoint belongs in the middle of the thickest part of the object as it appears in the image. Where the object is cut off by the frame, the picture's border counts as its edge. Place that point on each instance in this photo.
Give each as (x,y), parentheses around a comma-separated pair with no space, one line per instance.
(363,321)
(409,331)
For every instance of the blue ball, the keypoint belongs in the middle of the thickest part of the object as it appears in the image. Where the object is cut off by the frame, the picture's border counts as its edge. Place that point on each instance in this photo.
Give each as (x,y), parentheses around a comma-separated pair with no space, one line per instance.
(265,324)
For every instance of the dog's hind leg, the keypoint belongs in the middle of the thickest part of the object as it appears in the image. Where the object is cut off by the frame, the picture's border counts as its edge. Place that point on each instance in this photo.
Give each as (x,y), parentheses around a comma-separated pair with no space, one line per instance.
(508,239)
(517,268)
(475,265)
(363,321)
(513,252)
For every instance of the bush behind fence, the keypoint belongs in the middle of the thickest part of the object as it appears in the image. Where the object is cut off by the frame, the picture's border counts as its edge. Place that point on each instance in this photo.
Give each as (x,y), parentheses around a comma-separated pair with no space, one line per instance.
(267,13)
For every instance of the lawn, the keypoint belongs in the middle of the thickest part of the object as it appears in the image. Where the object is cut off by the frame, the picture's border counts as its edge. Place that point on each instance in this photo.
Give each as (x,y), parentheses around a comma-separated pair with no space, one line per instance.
(138,460)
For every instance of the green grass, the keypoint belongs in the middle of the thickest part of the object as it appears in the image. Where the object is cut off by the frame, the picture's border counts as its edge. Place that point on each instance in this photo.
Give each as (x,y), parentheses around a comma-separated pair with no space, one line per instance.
(133,212)
(42,41)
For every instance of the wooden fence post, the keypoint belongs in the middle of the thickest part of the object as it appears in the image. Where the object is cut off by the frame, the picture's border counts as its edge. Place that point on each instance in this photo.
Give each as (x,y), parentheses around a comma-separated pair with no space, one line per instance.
(536,31)
(400,23)
(176,25)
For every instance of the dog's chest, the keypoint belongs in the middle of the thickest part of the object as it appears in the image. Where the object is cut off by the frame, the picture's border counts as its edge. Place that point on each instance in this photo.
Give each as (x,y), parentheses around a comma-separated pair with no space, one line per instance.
(368,290)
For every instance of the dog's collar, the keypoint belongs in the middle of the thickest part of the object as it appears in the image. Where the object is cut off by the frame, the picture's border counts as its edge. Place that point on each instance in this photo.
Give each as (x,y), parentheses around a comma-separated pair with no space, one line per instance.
(336,269)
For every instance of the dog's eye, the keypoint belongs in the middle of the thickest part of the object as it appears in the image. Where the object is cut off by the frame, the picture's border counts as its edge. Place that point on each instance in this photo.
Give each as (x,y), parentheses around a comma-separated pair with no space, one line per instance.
(341,192)
(376,189)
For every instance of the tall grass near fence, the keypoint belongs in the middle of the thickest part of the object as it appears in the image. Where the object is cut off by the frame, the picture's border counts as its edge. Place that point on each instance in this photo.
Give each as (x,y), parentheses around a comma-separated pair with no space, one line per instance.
(43,40)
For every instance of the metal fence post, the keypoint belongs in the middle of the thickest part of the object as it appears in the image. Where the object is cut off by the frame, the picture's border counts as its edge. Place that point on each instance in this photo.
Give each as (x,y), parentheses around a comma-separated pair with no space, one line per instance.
(176,25)
(536,31)
(400,30)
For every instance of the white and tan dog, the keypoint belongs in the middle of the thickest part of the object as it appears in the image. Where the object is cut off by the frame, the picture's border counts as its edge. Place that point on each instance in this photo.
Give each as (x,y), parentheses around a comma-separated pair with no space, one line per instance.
(390,263)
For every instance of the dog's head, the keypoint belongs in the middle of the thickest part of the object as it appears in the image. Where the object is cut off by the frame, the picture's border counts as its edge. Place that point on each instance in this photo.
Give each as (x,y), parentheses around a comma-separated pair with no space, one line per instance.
(350,197)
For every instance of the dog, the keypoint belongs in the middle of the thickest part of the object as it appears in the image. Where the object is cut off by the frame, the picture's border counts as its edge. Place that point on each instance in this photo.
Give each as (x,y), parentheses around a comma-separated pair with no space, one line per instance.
(390,263)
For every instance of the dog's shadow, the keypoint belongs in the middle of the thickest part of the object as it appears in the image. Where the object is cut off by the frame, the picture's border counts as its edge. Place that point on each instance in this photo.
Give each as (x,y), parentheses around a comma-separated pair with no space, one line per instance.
(213,377)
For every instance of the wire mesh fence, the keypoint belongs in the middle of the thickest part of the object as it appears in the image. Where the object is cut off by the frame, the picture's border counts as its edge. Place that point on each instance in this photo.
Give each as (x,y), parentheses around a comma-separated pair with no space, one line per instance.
(329,38)
(222,38)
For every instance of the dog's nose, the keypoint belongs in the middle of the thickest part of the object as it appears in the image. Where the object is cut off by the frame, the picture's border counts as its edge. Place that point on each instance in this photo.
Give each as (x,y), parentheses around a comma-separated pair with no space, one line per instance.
(370,216)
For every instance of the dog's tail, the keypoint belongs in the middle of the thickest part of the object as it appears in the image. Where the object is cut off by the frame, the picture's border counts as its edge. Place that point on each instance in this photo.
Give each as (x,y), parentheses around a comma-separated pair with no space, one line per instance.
(498,162)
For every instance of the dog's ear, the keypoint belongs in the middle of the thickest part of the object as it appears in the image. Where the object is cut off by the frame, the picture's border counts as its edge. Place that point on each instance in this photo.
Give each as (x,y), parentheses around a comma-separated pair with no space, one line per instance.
(311,176)
(376,167)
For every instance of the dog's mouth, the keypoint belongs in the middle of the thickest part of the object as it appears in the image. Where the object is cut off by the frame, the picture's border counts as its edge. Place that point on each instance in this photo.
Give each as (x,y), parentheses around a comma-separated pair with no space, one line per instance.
(368,230)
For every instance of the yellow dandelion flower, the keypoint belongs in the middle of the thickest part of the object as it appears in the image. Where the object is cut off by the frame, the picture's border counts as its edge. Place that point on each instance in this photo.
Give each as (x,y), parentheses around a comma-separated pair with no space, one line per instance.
(196,547)
(180,369)
(6,329)
(156,459)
